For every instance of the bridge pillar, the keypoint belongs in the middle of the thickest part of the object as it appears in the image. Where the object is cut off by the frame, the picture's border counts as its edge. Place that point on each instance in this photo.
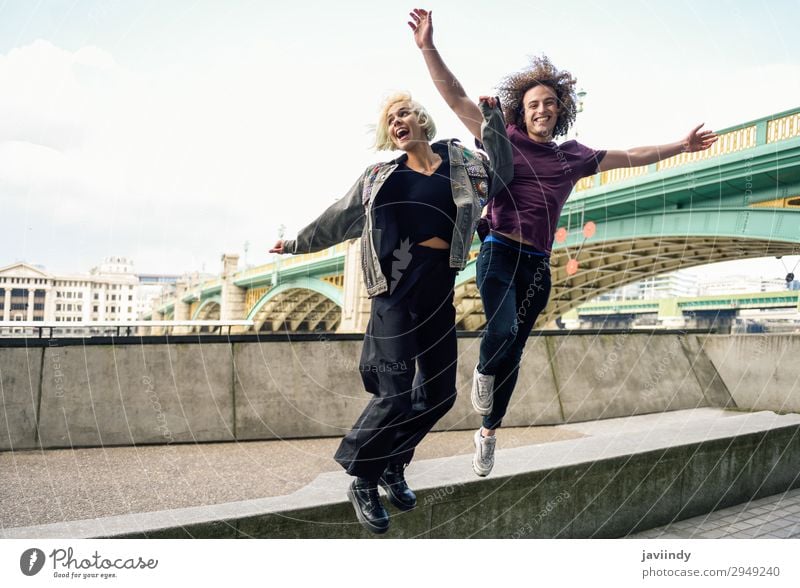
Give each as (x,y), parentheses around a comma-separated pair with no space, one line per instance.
(156,315)
(669,314)
(233,306)
(355,307)
(182,309)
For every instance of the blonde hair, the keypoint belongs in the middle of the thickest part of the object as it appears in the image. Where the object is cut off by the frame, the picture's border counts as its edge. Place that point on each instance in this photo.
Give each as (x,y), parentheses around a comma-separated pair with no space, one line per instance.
(383,140)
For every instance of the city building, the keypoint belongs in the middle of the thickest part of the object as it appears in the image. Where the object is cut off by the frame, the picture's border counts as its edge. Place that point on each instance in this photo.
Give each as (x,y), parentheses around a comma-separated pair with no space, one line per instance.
(740,284)
(109,292)
(673,285)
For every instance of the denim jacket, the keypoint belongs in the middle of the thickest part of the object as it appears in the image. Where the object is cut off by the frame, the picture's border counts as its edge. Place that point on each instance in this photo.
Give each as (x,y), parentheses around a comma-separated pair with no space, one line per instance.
(474,181)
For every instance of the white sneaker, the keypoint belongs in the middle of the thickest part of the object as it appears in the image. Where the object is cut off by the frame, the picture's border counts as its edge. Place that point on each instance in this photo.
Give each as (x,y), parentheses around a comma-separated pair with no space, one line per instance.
(482,392)
(483,460)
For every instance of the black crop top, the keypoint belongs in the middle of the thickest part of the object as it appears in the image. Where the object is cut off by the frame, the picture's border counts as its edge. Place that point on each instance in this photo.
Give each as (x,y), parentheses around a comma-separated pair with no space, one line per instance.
(421,206)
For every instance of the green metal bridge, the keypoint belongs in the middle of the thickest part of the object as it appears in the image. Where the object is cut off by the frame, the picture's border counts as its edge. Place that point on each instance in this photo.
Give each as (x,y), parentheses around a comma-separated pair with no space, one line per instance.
(697,312)
(738,200)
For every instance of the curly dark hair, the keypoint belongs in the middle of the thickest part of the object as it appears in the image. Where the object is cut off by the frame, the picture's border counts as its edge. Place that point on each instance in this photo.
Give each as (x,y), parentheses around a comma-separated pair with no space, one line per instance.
(541,72)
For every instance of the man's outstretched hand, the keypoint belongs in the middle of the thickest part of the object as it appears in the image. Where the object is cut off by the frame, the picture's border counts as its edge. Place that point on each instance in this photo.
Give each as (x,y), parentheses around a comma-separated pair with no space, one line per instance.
(422,24)
(278,247)
(698,140)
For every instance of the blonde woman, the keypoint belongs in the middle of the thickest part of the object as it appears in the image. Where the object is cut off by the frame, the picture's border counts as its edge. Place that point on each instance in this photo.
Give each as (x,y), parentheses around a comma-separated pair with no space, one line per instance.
(415,216)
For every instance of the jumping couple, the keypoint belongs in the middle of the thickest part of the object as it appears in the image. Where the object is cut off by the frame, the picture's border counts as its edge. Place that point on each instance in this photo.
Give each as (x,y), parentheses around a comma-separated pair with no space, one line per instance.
(415,217)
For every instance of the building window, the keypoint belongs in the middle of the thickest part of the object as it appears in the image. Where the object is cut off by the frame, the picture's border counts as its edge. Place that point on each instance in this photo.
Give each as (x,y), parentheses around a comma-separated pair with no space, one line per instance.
(94,309)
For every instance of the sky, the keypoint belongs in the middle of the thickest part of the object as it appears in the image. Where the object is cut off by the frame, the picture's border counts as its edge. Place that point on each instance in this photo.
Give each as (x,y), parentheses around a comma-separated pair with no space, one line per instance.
(173,132)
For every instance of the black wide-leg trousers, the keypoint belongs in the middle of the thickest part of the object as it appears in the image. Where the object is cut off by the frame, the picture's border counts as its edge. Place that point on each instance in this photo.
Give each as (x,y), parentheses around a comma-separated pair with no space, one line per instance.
(408,363)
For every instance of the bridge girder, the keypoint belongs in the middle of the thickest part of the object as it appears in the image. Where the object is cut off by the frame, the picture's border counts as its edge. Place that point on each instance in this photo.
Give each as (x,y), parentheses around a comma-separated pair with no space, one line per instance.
(609,265)
(294,308)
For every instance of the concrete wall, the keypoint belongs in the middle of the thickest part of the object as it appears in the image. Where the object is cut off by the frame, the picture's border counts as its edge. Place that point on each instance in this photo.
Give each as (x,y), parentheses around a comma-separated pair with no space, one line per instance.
(158,393)
(20,381)
(284,388)
(125,395)
(607,376)
(761,371)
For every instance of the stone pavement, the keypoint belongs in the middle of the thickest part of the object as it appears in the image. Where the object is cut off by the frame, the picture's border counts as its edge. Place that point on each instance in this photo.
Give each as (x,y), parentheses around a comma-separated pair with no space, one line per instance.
(773,517)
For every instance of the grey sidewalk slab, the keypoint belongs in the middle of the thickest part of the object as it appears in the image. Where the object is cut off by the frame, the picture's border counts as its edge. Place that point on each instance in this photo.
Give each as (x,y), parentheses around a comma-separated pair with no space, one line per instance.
(515,469)
(56,485)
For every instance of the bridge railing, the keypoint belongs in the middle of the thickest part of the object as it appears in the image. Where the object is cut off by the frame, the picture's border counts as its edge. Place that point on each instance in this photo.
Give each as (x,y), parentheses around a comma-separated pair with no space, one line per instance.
(51,329)
(769,129)
(759,300)
(291,261)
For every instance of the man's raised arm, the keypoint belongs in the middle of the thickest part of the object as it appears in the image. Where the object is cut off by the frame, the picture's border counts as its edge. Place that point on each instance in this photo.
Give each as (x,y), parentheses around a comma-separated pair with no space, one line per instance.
(447,84)
(696,140)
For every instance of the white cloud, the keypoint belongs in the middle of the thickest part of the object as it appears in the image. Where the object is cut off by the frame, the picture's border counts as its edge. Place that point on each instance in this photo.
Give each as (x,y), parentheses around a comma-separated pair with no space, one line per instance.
(664,103)
(175,165)
(180,154)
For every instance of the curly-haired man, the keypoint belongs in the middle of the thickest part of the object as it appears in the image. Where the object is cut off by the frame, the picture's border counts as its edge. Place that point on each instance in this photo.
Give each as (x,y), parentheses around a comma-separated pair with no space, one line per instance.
(513,271)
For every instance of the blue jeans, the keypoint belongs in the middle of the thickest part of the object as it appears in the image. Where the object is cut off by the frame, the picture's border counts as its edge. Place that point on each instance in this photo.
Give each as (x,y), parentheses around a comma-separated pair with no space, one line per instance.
(514,287)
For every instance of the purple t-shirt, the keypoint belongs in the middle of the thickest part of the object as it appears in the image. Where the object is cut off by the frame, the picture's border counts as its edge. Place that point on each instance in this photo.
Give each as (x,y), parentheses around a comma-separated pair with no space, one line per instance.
(544,175)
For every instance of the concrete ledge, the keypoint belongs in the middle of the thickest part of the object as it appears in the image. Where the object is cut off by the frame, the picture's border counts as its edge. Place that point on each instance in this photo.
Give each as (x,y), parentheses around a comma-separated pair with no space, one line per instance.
(608,485)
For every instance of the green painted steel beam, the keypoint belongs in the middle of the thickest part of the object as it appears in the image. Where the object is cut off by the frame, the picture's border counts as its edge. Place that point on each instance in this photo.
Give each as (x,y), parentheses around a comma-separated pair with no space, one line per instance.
(314,268)
(692,183)
(206,302)
(736,222)
(326,289)
(701,199)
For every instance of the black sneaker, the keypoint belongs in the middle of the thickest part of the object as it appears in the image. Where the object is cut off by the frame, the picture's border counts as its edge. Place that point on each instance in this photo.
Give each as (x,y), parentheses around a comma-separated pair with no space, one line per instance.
(363,495)
(394,482)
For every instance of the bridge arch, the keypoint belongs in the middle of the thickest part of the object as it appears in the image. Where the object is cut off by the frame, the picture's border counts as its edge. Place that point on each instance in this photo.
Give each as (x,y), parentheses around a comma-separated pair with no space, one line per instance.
(628,249)
(301,304)
(208,309)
